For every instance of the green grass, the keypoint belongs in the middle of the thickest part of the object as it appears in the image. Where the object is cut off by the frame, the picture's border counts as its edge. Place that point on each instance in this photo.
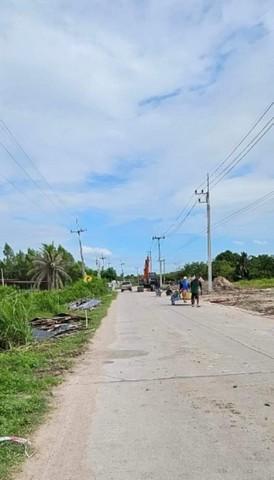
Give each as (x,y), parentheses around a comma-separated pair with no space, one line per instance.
(17,308)
(27,376)
(15,312)
(256,283)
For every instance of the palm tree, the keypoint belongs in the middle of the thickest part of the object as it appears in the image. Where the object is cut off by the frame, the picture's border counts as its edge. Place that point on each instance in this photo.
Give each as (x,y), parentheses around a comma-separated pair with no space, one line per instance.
(49,266)
(242,265)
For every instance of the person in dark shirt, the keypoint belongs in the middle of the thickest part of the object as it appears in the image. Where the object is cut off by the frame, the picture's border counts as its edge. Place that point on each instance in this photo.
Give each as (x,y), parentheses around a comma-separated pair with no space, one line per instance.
(196,289)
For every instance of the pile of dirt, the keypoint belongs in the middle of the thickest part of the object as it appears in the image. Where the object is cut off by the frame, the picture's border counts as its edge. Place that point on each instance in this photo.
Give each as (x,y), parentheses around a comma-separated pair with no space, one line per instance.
(221,283)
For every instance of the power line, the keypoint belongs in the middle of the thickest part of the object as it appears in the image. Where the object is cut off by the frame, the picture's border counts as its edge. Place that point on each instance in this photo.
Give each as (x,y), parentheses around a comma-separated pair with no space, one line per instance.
(259,202)
(190,241)
(15,140)
(167,232)
(258,137)
(176,226)
(241,141)
(17,188)
(235,148)
(214,173)
(60,201)
(26,172)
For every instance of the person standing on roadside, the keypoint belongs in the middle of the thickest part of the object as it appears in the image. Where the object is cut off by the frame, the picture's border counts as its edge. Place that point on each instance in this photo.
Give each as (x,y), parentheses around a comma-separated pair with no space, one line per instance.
(196,289)
(185,288)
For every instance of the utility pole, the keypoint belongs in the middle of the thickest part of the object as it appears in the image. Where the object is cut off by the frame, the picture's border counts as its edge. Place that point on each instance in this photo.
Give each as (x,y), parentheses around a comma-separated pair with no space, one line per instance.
(103,260)
(159,256)
(78,231)
(164,270)
(122,269)
(98,267)
(2,277)
(204,197)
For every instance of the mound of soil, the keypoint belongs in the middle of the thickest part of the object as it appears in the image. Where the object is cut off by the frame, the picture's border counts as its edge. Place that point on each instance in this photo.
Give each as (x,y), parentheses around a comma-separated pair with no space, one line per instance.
(221,283)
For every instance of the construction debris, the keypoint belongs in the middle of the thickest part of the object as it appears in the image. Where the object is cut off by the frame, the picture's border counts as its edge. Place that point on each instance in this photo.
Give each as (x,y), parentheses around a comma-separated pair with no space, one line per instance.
(44,328)
(63,323)
(19,441)
(85,304)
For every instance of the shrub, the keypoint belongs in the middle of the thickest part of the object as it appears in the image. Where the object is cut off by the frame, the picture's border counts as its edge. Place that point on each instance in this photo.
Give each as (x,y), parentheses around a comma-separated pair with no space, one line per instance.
(80,289)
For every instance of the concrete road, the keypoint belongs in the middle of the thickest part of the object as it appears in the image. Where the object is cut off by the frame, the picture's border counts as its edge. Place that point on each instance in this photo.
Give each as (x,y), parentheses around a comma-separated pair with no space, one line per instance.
(165,393)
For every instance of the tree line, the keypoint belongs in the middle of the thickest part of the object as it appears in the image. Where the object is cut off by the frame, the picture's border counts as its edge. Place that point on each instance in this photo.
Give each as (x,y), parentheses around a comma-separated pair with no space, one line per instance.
(50,267)
(231,265)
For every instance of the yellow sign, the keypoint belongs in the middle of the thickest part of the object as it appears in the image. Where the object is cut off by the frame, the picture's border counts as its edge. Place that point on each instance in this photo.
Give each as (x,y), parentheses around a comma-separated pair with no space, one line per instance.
(87,278)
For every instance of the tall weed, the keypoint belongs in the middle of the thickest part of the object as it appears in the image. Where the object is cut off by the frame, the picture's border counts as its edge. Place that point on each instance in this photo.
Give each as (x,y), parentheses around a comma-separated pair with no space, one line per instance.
(15,329)
(45,301)
(18,308)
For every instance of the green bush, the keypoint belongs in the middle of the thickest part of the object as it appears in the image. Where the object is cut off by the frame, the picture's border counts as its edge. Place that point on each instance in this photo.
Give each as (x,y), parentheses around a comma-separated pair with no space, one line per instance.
(80,289)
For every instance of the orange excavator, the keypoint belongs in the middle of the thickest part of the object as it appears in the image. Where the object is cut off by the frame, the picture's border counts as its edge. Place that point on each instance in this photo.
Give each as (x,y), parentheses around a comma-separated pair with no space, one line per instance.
(150,279)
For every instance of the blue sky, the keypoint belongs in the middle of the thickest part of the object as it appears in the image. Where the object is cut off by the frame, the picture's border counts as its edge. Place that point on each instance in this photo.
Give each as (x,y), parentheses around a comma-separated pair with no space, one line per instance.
(122,108)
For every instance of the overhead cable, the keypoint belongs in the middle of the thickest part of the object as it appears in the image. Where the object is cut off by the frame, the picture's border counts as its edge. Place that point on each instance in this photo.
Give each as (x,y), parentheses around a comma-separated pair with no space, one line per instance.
(216,174)
(250,207)
(241,141)
(17,143)
(258,137)
(26,173)
(176,226)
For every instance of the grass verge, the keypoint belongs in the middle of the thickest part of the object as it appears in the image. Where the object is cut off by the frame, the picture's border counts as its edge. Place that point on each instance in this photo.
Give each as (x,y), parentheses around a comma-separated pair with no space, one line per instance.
(256,283)
(27,375)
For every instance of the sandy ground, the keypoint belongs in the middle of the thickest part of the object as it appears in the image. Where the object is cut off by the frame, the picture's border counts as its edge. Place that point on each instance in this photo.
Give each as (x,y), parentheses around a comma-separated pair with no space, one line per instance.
(165,393)
(256,300)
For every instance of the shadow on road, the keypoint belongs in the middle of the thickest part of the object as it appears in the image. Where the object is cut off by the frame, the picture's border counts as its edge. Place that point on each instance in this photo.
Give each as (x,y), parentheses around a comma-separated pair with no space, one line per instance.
(176,305)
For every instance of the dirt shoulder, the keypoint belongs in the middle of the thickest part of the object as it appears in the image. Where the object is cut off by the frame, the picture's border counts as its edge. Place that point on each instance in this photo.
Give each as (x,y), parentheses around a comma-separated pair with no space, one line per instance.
(68,426)
(253,299)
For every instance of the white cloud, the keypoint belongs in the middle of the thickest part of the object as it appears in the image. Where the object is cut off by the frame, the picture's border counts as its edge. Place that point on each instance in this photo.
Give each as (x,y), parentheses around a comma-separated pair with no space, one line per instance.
(73,77)
(260,242)
(96,251)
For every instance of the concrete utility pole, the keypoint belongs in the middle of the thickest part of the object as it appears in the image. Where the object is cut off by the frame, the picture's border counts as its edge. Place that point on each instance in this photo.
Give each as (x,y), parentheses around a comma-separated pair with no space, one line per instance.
(137,274)
(204,197)
(103,261)
(164,270)
(122,269)
(78,231)
(159,256)
(98,266)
